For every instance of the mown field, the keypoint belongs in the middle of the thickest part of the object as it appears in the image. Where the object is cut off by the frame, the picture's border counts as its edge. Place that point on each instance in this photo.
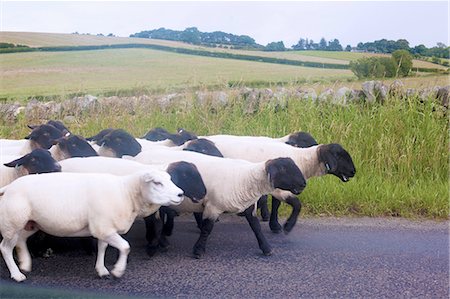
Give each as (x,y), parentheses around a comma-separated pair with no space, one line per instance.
(400,148)
(34,39)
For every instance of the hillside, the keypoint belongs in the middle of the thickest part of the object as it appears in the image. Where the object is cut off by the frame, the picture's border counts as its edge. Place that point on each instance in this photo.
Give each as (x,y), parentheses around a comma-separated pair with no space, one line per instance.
(33,39)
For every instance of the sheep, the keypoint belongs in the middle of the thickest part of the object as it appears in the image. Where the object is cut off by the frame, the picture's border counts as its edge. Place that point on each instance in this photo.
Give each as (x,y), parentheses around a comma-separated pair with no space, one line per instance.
(160,134)
(74,204)
(57,124)
(41,136)
(184,175)
(232,186)
(297,139)
(71,146)
(38,161)
(313,161)
(118,143)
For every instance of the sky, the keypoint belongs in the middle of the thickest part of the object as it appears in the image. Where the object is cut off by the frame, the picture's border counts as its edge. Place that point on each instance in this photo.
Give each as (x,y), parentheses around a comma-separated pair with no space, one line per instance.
(351,22)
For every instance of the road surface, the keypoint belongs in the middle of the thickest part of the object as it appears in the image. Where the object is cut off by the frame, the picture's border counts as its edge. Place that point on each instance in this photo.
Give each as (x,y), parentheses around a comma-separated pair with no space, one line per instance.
(321,257)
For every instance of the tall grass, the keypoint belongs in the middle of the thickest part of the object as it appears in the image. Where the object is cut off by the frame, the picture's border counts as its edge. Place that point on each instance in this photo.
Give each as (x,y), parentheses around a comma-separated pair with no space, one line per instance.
(400,148)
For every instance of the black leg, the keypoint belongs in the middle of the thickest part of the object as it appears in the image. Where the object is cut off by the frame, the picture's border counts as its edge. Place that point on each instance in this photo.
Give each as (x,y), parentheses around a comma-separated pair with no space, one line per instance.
(264,209)
(169,223)
(256,227)
(296,208)
(199,219)
(200,245)
(153,227)
(274,224)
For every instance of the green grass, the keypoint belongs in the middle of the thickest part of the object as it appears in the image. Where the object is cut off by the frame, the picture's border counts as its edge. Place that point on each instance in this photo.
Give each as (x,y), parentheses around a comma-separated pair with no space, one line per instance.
(60,73)
(400,149)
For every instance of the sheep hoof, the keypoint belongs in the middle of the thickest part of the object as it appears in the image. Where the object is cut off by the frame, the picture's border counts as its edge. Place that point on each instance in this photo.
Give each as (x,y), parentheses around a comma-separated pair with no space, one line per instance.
(287,228)
(275,227)
(105,277)
(268,252)
(198,252)
(117,273)
(19,277)
(151,250)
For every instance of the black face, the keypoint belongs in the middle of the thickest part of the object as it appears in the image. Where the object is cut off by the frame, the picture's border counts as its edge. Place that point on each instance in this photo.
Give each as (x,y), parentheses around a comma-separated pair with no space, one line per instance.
(38,161)
(186,135)
(285,175)
(76,146)
(301,139)
(44,136)
(157,134)
(122,143)
(203,146)
(59,125)
(337,161)
(186,176)
(100,135)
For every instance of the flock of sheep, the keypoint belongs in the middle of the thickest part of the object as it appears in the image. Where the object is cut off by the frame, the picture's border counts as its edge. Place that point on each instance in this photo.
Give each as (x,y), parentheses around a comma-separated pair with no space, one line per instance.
(83,189)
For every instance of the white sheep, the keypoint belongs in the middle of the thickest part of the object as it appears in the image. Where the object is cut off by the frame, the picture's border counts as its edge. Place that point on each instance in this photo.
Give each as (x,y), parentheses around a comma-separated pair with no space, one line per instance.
(232,186)
(297,139)
(74,204)
(313,161)
(184,175)
(38,161)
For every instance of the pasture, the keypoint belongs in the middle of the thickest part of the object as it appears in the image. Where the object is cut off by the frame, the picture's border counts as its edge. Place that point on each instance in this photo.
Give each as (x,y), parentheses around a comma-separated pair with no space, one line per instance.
(60,73)
(400,148)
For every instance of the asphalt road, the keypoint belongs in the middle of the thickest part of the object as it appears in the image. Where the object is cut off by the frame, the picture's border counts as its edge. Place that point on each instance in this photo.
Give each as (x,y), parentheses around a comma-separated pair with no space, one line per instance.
(321,257)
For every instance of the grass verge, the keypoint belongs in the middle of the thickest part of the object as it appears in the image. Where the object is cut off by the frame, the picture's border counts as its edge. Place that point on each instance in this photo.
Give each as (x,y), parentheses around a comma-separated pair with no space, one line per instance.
(400,148)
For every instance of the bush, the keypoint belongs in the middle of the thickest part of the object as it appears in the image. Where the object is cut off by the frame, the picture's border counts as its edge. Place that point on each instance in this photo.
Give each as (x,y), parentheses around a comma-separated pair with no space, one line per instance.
(399,65)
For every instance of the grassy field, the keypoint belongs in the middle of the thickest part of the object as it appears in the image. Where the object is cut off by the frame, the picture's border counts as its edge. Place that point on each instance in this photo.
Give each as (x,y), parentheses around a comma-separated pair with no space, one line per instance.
(42,74)
(34,39)
(60,73)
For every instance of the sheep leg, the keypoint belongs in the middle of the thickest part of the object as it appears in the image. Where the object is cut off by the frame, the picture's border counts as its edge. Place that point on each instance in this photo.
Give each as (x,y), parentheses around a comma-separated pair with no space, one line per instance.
(256,227)
(153,227)
(199,219)
(264,209)
(120,243)
(6,247)
(273,223)
(200,245)
(169,224)
(296,205)
(100,263)
(23,254)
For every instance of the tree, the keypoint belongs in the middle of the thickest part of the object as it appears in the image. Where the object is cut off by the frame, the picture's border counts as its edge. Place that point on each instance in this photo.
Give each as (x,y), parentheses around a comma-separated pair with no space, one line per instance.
(334,45)
(322,44)
(403,62)
(301,45)
(348,48)
(191,35)
(275,46)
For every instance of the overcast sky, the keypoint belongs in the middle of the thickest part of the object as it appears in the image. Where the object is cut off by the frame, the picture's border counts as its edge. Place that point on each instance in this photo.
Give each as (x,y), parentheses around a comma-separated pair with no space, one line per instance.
(420,22)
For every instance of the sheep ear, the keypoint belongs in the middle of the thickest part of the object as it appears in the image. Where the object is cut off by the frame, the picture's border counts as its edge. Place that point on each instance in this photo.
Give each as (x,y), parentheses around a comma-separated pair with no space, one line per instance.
(32,127)
(147,177)
(15,163)
(328,157)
